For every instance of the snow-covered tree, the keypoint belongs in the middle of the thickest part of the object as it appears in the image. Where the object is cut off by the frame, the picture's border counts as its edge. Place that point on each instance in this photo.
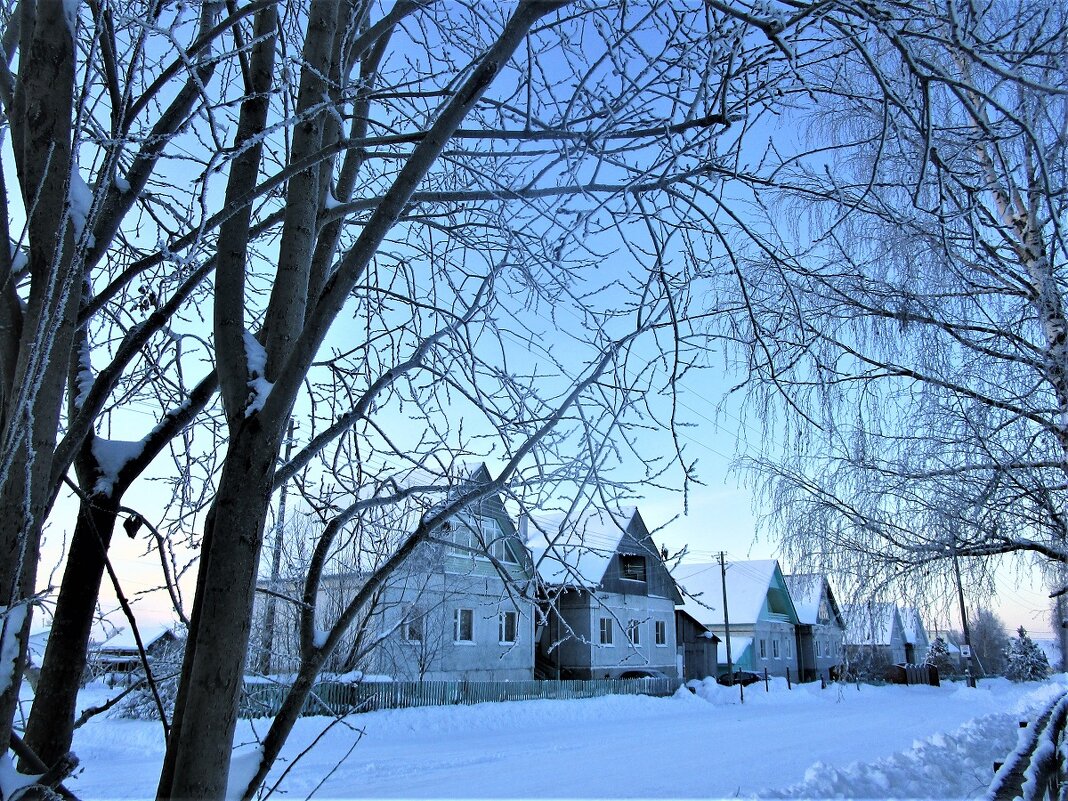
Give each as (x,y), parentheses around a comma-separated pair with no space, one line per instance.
(938,656)
(989,637)
(1025,661)
(918,342)
(436,232)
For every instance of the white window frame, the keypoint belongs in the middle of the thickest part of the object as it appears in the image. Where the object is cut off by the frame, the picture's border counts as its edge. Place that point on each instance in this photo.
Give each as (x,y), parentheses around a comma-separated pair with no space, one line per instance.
(457,625)
(415,619)
(819,649)
(775,648)
(634,632)
(763,649)
(789,649)
(502,627)
(660,633)
(606,631)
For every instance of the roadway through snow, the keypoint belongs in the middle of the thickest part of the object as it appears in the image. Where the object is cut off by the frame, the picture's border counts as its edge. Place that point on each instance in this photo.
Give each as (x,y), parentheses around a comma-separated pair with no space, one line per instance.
(617,747)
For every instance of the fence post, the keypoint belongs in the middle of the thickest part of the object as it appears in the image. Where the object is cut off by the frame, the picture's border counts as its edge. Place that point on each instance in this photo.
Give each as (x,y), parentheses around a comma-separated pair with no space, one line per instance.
(767,686)
(789,686)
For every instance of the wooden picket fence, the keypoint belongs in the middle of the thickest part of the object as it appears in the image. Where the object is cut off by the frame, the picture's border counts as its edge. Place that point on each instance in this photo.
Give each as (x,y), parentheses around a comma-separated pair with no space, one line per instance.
(335,698)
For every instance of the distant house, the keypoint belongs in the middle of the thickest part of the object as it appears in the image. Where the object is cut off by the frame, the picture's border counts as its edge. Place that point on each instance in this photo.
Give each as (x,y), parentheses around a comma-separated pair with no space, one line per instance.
(607,599)
(821,628)
(698,646)
(117,658)
(917,643)
(874,637)
(762,617)
(461,607)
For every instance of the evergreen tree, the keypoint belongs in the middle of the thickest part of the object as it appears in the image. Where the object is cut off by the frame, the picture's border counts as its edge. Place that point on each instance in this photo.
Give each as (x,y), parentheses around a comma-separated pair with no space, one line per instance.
(938,656)
(1027,662)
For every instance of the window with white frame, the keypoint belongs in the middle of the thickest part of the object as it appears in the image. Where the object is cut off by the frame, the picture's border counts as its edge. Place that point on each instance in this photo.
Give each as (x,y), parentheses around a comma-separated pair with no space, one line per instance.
(789,649)
(634,633)
(606,631)
(507,627)
(775,649)
(660,629)
(496,542)
(819,648)
(463,625)
(763,649)
(459,531)
(414,625)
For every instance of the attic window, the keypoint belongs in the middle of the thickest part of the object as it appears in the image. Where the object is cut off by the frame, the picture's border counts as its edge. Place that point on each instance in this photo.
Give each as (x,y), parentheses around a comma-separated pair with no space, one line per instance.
(632,567)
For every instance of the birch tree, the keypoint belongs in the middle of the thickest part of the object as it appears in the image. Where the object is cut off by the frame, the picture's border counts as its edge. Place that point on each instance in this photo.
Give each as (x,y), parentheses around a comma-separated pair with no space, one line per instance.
(915,319)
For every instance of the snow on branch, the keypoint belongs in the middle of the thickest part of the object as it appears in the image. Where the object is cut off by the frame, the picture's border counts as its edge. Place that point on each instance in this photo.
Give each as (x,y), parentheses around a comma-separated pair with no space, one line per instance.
(112,455)
(258,386)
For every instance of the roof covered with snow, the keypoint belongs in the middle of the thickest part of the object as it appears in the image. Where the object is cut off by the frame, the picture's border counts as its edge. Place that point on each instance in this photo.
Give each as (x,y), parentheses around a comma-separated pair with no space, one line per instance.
(748,584)
(808,592)
(123,639)
(872,623)
(577,554)
(806,589)
(912,626)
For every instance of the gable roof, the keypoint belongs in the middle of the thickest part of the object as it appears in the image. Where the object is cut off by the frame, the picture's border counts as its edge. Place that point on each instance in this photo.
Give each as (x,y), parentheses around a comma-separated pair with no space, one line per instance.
(806,591)
(872,623)
(912,626)
(123,639)
(577,554)
(748,586)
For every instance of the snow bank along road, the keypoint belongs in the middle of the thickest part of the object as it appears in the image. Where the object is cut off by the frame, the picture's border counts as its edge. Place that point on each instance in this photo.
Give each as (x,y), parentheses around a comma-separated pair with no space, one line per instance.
(875,742)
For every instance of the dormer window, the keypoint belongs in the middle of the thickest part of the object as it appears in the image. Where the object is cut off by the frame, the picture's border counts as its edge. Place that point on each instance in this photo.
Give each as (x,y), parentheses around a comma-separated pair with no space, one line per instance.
(632,567)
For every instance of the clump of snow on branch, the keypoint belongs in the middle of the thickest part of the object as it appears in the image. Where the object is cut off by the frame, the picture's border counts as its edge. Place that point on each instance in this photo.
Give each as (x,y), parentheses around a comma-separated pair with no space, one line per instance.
(11,781)
(81,202)
(243,767)
(258,386)
(11,621)
(85,376)
(112,455)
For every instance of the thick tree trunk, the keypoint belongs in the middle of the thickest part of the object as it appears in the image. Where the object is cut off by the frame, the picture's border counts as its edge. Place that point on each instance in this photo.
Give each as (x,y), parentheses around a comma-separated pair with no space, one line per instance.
(41,137)
(197,762)
(51,725)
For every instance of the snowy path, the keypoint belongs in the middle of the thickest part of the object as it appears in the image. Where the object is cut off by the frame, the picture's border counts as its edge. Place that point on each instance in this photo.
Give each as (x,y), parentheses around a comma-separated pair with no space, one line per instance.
(628,747)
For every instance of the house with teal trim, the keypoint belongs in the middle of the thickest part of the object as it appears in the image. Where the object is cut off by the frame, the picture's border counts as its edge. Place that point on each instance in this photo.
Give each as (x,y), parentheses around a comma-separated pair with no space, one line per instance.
(607,599)
(821,627)
(763,620)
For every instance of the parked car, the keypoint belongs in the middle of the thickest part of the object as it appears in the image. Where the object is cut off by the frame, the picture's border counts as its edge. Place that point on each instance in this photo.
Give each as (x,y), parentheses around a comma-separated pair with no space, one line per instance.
(643,674)
(742,677)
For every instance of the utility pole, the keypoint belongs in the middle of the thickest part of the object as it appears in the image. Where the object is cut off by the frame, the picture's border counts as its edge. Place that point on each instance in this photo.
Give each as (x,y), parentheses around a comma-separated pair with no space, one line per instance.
(970,672)
(727,624)
(267,643)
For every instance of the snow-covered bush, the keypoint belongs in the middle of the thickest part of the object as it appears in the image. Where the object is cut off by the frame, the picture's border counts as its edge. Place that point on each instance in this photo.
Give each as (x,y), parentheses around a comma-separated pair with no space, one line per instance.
(1027,662)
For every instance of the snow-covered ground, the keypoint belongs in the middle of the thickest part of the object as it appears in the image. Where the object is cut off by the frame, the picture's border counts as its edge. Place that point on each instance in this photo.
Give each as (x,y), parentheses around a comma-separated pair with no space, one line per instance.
(875,742)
